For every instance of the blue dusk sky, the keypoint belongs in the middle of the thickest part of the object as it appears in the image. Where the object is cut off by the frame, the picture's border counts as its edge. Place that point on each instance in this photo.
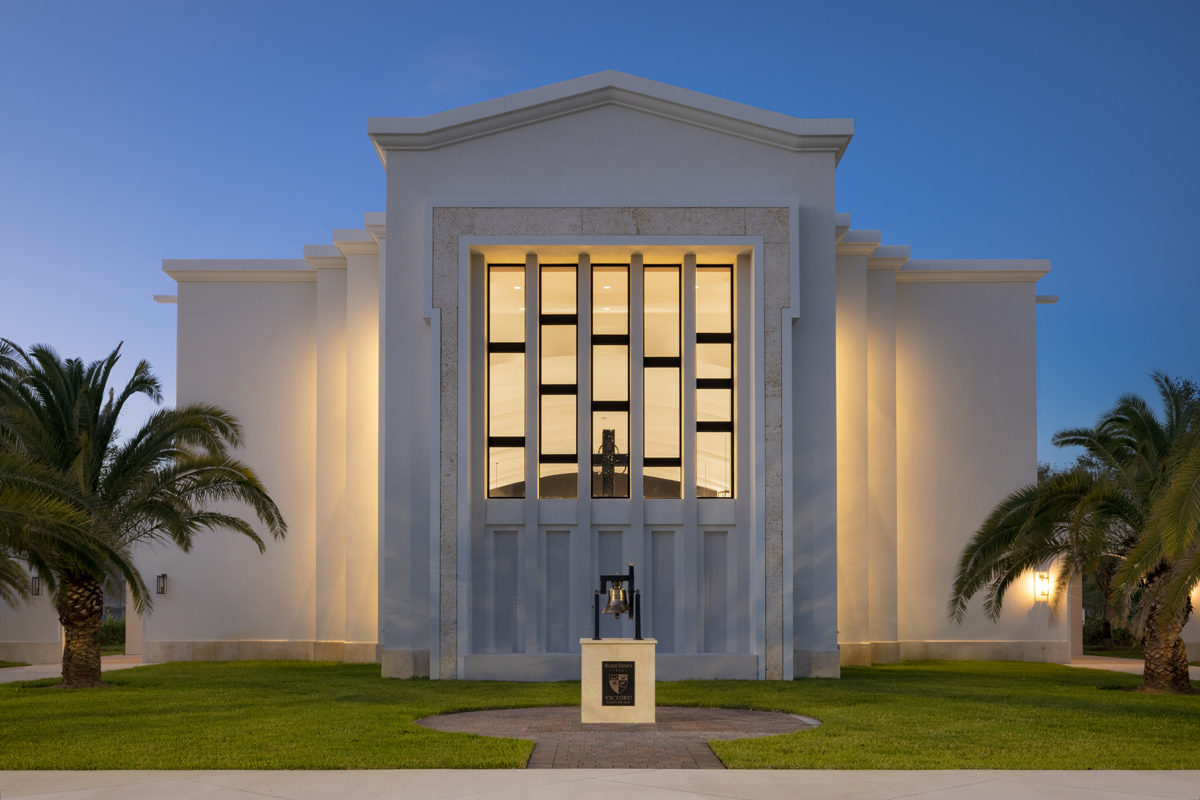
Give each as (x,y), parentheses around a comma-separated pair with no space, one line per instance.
(133,132)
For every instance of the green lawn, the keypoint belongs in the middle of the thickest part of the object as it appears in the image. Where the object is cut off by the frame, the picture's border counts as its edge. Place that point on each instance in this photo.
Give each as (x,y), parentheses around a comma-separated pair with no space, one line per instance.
(303,715)
(4,664)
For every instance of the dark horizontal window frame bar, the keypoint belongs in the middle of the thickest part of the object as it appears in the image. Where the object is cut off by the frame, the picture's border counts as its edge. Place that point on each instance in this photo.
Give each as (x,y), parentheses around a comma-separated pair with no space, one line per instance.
(662,266)
(662,462)
(610,338)
(558,458)
(506,441)
(714,383)
(626,265)
(521,265)
(662,362)
(559,388)
(708,426)
(506,347)
(610,405)
(560,319)
(714,266)
(714,338)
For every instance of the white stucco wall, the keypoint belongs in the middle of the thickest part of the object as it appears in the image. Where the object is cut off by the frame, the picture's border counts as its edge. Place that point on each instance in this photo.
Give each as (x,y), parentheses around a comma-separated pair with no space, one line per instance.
(30,633)
(966,437)
(251,348)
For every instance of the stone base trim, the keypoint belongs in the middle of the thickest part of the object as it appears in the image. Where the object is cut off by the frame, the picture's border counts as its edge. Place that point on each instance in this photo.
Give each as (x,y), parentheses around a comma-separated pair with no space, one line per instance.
(1054,652)
(817,663)
(158,652)
(405,663)
(855,654)
(31,652)
(885,652)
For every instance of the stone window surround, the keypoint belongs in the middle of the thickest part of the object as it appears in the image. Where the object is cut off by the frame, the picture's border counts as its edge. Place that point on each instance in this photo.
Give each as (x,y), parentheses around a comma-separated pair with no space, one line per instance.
(449,223)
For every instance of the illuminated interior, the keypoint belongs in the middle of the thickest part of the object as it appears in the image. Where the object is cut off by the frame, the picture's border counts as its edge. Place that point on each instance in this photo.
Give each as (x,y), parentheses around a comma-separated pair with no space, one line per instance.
(554,302)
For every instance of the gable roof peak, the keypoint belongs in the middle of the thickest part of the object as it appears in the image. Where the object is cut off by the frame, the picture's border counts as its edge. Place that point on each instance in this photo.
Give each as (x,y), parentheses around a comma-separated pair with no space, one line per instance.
(609,87)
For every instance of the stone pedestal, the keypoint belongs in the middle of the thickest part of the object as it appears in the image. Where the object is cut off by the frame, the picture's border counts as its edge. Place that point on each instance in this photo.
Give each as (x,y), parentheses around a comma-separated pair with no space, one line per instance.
(618,680)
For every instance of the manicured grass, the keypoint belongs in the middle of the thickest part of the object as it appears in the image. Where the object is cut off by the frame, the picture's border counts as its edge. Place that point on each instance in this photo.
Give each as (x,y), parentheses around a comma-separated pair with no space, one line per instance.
(112,649)
(4,664)
(302,715)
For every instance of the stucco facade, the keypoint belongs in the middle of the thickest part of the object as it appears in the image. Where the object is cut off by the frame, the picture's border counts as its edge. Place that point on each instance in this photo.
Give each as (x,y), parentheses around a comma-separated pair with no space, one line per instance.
(873,408)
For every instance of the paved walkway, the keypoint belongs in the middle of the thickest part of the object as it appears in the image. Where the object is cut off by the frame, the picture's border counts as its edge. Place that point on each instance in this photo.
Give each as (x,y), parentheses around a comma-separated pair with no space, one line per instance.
(586,784)
(678,739)
(36,672)
(1132,666)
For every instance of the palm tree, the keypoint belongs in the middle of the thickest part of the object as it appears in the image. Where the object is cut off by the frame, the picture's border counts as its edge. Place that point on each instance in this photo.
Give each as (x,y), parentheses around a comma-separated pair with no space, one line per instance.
(1138,509)
(81,498)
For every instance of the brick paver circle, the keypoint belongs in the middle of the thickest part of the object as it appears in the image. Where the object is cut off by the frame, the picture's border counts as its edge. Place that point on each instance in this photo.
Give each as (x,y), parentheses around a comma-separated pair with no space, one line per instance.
(678,739)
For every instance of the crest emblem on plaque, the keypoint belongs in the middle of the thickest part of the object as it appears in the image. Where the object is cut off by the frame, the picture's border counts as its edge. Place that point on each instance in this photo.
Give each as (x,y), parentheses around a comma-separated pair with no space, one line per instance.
(617,683)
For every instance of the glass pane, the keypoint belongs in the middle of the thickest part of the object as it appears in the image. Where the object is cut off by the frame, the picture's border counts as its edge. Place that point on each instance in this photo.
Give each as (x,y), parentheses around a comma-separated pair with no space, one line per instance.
(506,304)
(662,311)
(610,441)
(662,483)
(558,354)
(558,423)
(662,413)
(558,481)
(714,361)
(506,394)
(506,472)
(610,299)
(714,300)
(610,372)
(714,465)
(714,405)
(558,290)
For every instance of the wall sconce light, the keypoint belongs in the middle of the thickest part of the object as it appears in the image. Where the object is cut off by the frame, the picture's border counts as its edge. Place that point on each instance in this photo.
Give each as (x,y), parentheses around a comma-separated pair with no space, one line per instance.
(1041,585)
(160,584)
(35,585)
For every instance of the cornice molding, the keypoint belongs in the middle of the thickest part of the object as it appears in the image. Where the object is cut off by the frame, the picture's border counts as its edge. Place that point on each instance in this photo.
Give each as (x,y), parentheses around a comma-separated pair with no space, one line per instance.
(233,270)
(166,299)
(324,256)
(973,271)
(859,243)
(969,276)
(888,256)
(1046,299)
(610,88)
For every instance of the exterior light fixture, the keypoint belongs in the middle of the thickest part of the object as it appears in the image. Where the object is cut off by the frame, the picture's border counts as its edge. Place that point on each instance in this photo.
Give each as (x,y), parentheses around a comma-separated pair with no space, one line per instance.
(35,584)
(1041,585)
(620,602)
(160,584)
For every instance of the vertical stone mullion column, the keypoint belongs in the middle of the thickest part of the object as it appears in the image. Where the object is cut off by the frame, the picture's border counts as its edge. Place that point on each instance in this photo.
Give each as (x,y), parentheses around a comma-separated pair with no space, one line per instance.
(637,420)
(688,571)
(529,581)
(583,548)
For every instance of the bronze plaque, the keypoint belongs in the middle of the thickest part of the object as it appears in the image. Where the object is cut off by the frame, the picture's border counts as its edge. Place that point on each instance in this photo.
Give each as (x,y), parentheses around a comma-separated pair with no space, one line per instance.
(616,683)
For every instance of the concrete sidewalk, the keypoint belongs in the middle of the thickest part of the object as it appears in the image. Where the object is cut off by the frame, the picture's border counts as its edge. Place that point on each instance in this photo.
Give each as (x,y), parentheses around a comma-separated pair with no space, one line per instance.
(1132,666)
(36,672)
(599,784)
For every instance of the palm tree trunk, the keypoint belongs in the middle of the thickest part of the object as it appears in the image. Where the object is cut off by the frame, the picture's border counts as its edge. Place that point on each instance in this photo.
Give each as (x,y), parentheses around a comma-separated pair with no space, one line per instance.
(1166,665)
(81,610)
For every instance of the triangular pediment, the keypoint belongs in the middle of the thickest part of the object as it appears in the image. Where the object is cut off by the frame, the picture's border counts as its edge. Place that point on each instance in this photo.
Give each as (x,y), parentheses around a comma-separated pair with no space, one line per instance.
(610,88)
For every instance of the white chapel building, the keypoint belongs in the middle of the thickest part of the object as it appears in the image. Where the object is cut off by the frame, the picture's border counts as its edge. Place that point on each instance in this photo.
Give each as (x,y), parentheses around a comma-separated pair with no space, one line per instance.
(603,322)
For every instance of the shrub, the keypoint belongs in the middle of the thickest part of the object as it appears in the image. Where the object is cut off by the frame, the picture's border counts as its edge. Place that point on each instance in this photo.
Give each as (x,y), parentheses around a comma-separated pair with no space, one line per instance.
(1093,628)
(112,631)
